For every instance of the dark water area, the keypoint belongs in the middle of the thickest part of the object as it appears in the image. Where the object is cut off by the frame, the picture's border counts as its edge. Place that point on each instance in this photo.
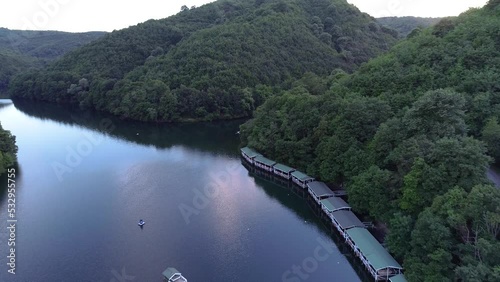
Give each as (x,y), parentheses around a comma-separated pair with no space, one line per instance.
(84,180)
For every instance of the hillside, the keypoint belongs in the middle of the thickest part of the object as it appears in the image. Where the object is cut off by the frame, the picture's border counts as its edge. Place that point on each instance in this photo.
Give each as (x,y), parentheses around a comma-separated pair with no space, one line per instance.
(13,63)
(410,135)
(46,45)
(405,25)
(22,50)
(218,61)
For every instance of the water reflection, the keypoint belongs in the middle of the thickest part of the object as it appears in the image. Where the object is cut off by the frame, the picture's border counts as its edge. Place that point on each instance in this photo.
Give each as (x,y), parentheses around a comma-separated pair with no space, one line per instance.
(252,223)
(192,135)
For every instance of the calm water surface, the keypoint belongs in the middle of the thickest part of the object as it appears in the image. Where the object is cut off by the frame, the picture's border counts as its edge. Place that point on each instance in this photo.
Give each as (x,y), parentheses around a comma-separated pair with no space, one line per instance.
(84,181)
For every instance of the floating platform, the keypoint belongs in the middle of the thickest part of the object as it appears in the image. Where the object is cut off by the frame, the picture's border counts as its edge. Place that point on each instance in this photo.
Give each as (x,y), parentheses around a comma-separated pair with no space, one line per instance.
(249,154)
(319,191)
(301,178)
(264,163)
(374,257)
(283,170)
(173,275)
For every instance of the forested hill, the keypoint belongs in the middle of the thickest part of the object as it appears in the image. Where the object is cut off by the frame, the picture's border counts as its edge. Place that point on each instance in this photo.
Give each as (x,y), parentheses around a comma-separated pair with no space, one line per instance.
(217,61)
(45,45)
(21,50)
(405,25)
(411,135)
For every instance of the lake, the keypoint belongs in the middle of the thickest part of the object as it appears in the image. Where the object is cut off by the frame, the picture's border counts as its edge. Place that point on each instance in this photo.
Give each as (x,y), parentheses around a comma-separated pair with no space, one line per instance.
(85,179)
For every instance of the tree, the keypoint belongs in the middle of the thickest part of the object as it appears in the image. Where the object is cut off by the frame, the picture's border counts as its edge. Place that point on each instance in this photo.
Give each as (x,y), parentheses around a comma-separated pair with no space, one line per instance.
(84,84)
(370,192)
(475,219)
(430,258)
(158,51)
(400,227)
(325,38)
(443,27)
(8,150)
(468,153)
(437,114)
(415,197)
(491,136)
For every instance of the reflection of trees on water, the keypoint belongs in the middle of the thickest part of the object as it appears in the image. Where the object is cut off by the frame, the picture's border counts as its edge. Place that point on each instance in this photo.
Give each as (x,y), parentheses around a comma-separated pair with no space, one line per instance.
(219,137)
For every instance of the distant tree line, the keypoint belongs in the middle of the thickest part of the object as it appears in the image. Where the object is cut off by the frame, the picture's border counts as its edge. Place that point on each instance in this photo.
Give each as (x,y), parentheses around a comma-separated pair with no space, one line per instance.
(406,25)
(23,50)
(218,61)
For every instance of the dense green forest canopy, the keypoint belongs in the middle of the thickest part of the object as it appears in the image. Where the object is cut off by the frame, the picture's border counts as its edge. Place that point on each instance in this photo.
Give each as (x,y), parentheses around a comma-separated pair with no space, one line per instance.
(45,45)
(217,61)
(13,63)
(8,150)
(21,50)
(410,135)
(405,25)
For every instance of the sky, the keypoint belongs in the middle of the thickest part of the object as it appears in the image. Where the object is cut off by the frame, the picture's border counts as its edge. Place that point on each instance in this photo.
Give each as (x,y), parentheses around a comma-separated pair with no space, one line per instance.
(108,15)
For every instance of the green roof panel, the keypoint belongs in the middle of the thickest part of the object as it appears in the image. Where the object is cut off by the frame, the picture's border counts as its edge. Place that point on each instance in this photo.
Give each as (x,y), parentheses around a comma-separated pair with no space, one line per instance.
(335,203)
(376,254)
(249,152)
(284,168)
(319,188)
(264,160)
(301,176)
(347,219)
(169,272)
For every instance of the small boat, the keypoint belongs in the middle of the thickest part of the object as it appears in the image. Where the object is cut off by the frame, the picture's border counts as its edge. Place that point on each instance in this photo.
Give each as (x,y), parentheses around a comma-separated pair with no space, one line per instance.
(141,222)
(173,275)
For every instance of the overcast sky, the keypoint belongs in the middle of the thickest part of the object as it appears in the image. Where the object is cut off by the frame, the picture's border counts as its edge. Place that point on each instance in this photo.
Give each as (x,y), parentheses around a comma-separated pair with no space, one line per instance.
(107,15)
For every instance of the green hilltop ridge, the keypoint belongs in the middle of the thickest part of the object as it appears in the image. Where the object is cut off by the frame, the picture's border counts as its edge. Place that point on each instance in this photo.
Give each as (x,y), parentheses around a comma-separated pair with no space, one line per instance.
(405,25)
(46,45)
(411,135)
(217,61)
(22,50)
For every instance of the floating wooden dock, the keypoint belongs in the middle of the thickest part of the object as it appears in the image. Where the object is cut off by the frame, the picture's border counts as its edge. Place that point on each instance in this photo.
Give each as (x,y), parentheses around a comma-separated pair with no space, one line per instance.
(319,191)
(374,257)
(372,254)
(283,170)
(249,154)
(301,178)
(264,163)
